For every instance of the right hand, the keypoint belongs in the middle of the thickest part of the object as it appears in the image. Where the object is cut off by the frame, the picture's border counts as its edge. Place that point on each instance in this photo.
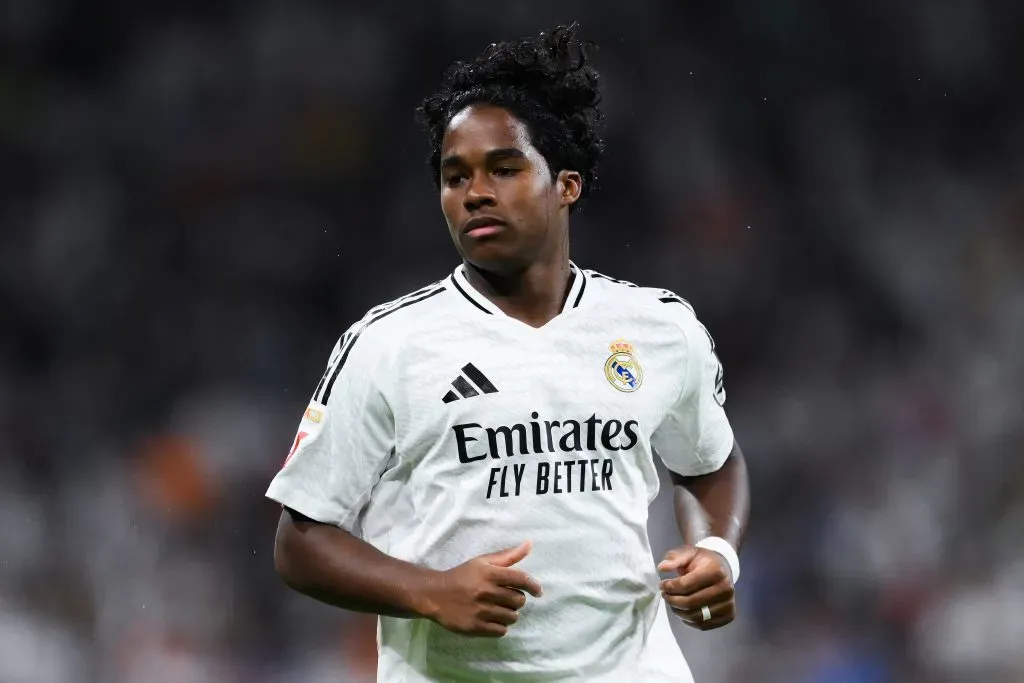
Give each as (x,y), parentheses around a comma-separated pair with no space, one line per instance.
(482,596)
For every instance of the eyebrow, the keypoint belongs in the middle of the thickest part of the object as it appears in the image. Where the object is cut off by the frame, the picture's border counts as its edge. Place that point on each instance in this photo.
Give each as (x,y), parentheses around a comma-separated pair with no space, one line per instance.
(502,153)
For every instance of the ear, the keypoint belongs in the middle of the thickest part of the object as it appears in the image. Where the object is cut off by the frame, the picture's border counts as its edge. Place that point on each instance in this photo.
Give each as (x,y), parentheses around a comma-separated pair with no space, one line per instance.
(570,186)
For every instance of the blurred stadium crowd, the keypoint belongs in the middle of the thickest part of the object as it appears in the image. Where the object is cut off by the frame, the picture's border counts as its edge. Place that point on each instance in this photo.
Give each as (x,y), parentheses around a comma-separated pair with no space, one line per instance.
(198,197)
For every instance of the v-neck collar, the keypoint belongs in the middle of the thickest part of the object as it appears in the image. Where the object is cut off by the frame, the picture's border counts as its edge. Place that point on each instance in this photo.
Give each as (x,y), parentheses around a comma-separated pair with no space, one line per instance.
(473,296)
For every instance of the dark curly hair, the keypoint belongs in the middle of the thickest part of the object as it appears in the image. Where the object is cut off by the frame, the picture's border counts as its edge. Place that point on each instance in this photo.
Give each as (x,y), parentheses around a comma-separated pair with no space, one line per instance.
(546,82)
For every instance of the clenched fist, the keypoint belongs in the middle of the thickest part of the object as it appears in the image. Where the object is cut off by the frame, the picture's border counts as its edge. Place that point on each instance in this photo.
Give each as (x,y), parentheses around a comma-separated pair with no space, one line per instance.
(704,580)
(482,596)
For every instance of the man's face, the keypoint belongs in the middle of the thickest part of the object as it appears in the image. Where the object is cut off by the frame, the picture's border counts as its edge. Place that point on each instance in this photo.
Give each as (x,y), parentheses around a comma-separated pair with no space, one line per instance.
(502,207)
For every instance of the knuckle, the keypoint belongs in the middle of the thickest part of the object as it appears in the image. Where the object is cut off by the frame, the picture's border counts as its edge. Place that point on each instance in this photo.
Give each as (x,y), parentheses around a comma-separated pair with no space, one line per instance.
(684,602)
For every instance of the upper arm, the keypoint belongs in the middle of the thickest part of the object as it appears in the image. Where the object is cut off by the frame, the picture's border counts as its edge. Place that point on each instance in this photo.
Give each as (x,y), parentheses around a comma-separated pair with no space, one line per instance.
(695,436)
(285,527)
(295,543)
(344,439)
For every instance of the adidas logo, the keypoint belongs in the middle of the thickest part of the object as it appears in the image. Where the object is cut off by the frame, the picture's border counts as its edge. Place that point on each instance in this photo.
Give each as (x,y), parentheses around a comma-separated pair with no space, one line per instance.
(467,390)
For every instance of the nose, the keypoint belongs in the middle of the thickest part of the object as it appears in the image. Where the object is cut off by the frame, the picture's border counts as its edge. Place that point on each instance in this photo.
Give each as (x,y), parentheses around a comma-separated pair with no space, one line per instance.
(479,193)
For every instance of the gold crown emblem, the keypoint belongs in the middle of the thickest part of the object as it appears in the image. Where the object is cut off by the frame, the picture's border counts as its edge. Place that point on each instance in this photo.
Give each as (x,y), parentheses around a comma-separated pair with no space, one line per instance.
(621,346)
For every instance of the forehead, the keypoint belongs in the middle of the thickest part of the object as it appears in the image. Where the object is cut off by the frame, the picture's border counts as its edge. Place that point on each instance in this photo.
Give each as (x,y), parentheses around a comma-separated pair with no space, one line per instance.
(477,129)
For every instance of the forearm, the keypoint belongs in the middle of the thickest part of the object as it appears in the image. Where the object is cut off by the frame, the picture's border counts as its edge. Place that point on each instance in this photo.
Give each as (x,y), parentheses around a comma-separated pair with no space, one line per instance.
(333,566)
(716,504)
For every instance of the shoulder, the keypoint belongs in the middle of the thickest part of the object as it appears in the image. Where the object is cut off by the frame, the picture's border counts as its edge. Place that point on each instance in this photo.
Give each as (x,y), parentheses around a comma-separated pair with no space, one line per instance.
(659,305)
(370,344)
(661,302)
(385,325)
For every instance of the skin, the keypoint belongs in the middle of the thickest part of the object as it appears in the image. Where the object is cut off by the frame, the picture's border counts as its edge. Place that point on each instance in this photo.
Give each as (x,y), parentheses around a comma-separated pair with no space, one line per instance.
(490,168)
(716,504)
(480,597)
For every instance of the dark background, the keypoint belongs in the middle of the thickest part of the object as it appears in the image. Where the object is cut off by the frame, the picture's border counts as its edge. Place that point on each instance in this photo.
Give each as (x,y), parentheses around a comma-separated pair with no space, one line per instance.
(197,198)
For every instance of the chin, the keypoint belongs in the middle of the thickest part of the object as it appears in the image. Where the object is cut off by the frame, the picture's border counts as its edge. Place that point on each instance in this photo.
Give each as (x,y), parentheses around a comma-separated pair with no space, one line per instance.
(495,258)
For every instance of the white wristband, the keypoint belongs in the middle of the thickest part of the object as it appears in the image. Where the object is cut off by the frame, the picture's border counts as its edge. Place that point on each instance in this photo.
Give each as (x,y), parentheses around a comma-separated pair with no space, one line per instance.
(722,547)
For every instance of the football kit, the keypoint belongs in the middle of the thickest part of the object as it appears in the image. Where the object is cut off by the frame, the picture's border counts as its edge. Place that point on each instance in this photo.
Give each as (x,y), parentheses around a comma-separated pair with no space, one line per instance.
(443,429)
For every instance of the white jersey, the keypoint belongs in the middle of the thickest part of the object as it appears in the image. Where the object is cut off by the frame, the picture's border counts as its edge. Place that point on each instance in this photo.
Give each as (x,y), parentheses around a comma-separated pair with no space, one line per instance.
(444,429)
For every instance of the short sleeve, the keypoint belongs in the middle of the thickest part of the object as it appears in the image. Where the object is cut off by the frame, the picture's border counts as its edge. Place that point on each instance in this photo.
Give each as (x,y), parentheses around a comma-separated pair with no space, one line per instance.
(695,436)
(344,440)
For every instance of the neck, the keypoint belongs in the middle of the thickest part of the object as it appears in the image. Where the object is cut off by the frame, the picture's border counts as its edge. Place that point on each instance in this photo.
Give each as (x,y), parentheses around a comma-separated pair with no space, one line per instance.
(534,295)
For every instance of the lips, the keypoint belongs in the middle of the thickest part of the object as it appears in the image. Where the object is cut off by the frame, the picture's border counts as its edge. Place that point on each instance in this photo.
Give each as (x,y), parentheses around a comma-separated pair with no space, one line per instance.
(482,225)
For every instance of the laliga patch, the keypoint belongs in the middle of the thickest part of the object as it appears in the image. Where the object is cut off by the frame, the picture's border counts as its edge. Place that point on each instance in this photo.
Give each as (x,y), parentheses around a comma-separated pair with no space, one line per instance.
(313,415)
(295,447)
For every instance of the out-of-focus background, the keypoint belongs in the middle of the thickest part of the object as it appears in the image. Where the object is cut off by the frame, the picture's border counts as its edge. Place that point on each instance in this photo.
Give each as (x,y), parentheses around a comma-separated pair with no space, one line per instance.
(197,198)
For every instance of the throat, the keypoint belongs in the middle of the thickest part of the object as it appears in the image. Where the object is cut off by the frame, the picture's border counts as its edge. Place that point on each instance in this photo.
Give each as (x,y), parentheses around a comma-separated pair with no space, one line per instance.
(534,297)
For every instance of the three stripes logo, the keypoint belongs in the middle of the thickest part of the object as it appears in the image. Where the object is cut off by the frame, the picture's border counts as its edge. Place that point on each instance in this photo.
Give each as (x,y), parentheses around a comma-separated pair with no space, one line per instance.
(465,388)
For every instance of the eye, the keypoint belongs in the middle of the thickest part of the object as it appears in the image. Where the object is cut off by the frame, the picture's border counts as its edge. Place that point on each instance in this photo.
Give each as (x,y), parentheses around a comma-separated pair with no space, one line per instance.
(505,171)
(454,179)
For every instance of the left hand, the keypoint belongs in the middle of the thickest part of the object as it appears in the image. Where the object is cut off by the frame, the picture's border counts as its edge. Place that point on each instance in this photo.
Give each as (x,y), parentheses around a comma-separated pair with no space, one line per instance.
(704,580)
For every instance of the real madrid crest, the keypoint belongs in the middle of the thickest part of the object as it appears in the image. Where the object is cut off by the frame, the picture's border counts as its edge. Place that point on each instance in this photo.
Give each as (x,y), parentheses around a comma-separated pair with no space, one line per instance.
(622,368)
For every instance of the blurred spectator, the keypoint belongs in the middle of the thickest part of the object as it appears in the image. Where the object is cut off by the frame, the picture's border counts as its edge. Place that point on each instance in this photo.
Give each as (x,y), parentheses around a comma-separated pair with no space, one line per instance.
(198,198)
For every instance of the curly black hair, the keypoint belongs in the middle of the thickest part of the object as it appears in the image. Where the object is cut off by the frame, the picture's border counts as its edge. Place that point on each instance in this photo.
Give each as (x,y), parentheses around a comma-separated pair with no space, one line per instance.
(546,82)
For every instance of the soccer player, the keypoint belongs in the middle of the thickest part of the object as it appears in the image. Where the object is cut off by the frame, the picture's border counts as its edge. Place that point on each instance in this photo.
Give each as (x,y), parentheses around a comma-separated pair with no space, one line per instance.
(477,461)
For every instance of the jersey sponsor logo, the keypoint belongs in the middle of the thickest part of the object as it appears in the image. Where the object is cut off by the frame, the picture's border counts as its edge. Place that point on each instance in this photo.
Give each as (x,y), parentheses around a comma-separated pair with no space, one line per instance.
(622,369)
(313,415)
(476,443)
(548,436)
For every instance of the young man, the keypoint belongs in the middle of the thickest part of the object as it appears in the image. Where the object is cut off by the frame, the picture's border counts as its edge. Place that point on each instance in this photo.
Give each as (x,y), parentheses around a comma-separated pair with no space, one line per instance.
(478,458)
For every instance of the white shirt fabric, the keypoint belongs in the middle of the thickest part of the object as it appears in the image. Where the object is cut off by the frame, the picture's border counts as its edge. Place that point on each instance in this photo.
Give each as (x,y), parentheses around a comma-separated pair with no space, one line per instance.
(444,429)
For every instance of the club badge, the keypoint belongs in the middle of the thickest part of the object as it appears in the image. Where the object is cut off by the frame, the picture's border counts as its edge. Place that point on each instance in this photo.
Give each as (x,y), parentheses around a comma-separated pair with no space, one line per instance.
(622,368)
